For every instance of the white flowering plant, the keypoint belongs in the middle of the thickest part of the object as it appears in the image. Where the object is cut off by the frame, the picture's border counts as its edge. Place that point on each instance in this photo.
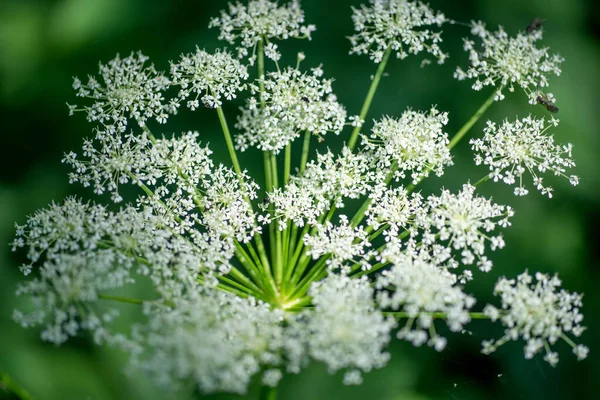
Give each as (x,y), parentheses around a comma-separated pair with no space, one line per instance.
(254,280)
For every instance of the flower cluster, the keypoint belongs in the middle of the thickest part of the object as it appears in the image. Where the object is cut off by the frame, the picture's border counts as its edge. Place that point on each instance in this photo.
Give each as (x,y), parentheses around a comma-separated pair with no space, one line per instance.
(208,77)
(129,89)
(399,26)
(466,222)
(290,102)
(261,20)
(421,289)
(503,61)
(214,340)
(345,330)
(514,148)
(539,313)
(413,143)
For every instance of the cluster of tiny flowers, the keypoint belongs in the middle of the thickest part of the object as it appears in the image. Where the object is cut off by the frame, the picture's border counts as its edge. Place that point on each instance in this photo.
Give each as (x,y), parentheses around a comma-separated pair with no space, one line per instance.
(292,102)
(466,221)
(513,148)
(214,340)
(539,313)
(342,243)
(502,61)
(130,89)
(398,26)
(261,20)
(396,209)
(420,289)
(345,330)
(414,143)
(70,237)
(326,182)
(208,77)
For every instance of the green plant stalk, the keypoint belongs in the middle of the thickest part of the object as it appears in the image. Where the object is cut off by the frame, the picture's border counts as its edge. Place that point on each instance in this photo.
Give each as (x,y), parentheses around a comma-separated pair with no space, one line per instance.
(469,124)
(370,94)
(268,393)
(441,315)
(120,299)
(7,383)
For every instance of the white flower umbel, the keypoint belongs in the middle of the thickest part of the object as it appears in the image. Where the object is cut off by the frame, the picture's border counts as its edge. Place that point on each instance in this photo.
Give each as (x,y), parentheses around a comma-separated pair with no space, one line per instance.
(341,242)
(129,89)
(326,182)
(244,283)
(420,290)
(514,148)
(466,222)
(415,143)
(261,20)
(214,340)
(345,330)
(292,102)
(501,61)
(208,78)
(539,313)
(401,26)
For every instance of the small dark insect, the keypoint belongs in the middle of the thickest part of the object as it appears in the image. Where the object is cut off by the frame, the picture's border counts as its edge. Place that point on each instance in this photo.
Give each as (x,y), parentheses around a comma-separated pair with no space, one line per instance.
(266,201)
(535,25)
(550,106)
(305,99)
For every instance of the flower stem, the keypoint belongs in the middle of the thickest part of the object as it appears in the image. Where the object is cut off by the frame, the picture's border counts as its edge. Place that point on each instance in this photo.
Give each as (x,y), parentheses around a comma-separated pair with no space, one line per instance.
(370,94)
(469,124)
(268,393)
(305,149)
(11,386)
(120,299)
(230,148)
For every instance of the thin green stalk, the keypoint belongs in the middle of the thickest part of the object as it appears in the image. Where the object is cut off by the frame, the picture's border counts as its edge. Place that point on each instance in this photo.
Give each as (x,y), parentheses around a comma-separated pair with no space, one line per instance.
(441,315)
(370,94)
(120,299)
(7,383)
(287,163)
(482,180)
(305,150)
(229,141)
(469,124)
(268,393)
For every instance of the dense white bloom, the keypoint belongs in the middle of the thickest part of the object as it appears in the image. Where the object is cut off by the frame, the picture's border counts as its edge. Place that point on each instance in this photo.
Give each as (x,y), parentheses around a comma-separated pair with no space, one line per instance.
(502,61)
(341,242)
(420,288)
(466,221)
(536,311)
(326,182)
(112,159)
(293,102)
(260,20)
(345,331)
(208,77)
(413,143)
(214,340)
(129,89)
(396,25)
(514,148)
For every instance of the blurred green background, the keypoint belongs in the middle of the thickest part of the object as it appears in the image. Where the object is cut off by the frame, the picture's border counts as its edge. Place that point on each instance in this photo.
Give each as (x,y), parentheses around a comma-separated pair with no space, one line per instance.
(44,43)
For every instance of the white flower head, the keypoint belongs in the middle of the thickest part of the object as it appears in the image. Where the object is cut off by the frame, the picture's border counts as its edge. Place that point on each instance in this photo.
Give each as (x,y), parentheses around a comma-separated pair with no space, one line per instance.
(414,143)
(261,20)
(467,222)
(419,289)
(214,340)
(345,330)
(129,89)
(535,310)
(294,102)
(399,26)
(208,77)
(515,148)
(501,61)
